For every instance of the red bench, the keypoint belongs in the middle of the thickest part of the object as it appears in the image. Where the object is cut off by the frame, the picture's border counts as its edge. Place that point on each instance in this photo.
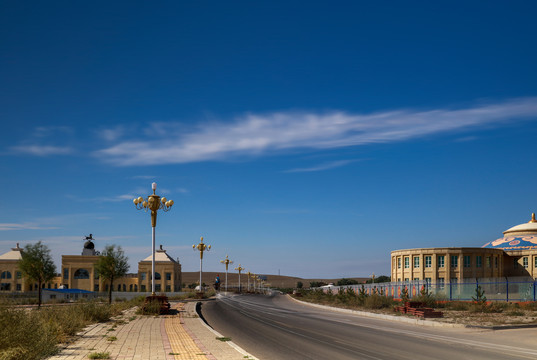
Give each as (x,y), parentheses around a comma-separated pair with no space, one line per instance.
(417,309)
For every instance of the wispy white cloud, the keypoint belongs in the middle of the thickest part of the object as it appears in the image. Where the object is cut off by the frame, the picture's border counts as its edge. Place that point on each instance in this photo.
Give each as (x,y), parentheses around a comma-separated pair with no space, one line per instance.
(112,134)
(259,134)
(144,177)
(322,167)
(466,139)
(113,198)
(41,150)
(38,142)
(24,226)
(48,131)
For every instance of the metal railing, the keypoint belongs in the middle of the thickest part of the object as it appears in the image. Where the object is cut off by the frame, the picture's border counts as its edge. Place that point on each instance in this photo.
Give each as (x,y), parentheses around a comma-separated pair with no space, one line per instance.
(495,289)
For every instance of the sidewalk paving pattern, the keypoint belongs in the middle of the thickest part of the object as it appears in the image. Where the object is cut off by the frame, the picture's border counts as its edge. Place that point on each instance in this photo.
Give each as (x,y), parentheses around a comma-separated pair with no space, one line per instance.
(169,337)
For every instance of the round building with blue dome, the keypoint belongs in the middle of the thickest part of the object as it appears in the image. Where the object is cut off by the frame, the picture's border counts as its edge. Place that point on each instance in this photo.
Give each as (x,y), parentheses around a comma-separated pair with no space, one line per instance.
(513,255)
(518,238)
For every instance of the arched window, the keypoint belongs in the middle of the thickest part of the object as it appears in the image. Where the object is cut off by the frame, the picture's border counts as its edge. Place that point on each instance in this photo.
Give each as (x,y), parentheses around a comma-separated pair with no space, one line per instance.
(81,274)
(124,287)
(135,287)
(118,287)
(6,275)
(130,287)
(157,276)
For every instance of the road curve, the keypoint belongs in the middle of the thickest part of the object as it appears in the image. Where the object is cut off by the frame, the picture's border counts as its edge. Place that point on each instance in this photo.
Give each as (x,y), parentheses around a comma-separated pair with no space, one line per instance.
(275,327)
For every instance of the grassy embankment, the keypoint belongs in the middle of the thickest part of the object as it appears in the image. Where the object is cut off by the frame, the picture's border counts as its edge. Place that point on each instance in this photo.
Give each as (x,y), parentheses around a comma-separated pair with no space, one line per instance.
(29,334)
(501,312)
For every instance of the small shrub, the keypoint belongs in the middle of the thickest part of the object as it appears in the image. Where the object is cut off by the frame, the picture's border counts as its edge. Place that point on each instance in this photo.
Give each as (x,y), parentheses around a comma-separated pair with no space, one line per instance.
(377,301)
(404,295)
(498,307)
(458,305)
(96,355)
(151,308)
(111,338)
(530,306)
(479,297)
(426,298)
(362,296)
(25,335)
(516,313)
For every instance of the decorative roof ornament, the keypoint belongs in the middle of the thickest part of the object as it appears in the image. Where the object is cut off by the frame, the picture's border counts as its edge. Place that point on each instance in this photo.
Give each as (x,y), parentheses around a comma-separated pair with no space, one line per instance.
(519,237)
(89,246)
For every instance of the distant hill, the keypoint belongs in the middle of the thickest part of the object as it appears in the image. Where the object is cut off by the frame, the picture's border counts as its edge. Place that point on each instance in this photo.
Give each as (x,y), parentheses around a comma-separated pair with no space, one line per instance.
(274,280)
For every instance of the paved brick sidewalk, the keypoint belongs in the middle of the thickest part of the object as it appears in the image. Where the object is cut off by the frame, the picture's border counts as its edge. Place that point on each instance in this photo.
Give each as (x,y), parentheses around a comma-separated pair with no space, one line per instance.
(169,337)
(207,338)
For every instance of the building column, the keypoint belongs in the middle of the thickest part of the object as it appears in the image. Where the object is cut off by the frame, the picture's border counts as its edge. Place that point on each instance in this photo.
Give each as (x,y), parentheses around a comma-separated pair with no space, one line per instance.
(70,277)
(422,266)
(434,266)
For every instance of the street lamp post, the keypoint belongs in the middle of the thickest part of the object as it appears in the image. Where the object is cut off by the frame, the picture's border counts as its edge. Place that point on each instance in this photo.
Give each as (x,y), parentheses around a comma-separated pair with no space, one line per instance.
(153,203)
(239,269)
(248,277)
(201,247)
(227,262)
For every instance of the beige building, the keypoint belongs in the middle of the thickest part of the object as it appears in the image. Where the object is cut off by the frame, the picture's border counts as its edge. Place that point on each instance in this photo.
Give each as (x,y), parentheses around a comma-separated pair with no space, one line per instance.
(78,272)
(10,276)
(167,273)
(514,254)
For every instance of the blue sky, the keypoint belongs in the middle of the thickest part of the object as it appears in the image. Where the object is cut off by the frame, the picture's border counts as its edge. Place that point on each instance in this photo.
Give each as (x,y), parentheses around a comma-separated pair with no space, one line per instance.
(306,139)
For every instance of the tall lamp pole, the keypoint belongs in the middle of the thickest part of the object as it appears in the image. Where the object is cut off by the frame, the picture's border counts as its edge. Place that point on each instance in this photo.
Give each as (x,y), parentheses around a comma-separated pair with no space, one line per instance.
(239,269)
(254,276)
(248,274)
(153,203)
(201,247)
(227,262)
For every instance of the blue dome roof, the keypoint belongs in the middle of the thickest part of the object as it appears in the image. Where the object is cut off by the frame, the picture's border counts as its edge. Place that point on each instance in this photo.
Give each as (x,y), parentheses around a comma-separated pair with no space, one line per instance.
(509,243)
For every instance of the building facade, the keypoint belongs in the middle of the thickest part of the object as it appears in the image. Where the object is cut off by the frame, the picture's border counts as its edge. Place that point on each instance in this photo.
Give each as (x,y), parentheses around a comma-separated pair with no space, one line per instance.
(11,278)
(167,273)
(78,272)
(514,254)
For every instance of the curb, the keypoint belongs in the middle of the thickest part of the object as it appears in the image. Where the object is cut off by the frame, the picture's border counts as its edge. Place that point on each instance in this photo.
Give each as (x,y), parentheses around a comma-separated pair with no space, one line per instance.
(217,334)
(415,321)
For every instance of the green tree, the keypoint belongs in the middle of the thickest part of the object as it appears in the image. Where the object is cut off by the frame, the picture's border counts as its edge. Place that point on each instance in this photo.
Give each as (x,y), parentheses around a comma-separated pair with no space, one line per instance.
(299,285)
(343,282)
(380,279)
(479,297)
(112,264)
(37,265)
(405,297)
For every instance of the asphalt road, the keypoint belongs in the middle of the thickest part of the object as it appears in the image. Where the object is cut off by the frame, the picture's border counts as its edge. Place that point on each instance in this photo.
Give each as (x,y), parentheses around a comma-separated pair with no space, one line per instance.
(276,327)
